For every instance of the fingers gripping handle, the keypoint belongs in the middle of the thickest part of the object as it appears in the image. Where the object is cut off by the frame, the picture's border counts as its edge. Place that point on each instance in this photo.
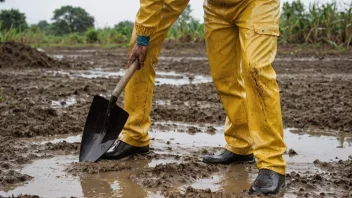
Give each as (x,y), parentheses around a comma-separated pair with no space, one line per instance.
(124,80)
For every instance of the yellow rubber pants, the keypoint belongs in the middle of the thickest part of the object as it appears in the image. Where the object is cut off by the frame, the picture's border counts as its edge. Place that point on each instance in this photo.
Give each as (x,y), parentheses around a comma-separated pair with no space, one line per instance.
(139,91)
(241,38)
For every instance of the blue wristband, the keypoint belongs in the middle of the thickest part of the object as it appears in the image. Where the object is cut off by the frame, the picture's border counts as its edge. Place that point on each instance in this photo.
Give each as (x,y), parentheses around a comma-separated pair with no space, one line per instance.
(143,40)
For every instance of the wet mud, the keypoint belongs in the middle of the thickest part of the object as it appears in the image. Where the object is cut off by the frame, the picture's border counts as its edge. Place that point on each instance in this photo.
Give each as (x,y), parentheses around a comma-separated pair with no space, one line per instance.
(12,177)
(168,176)
(207,193)
(335,180)
(17,55)
(43,108)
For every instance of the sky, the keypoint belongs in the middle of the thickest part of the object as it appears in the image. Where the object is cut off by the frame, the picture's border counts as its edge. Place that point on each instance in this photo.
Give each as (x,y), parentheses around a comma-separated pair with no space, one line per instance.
(105,12)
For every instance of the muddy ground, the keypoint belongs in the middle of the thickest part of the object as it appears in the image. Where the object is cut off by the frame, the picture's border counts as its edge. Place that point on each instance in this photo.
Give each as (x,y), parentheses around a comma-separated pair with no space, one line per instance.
(45,95)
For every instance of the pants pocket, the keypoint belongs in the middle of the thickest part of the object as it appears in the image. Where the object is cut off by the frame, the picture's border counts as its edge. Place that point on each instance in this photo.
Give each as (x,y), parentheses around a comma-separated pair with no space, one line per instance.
(266,29)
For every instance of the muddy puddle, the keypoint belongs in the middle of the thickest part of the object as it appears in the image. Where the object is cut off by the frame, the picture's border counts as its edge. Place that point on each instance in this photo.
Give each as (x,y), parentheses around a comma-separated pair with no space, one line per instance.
(85,53)
(74,56)
(162,78)
(170,139)
(316,101)
(63,103)
(78,54)
(53,181)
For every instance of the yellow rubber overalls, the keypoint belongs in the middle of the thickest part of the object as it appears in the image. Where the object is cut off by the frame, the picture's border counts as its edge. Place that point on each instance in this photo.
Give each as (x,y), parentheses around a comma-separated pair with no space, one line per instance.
(154,19)
(241,37)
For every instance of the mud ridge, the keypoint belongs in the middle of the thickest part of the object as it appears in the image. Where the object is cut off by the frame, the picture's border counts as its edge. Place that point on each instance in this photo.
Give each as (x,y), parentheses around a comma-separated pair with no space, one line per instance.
(101,166)
(12,177)
(171,174)
(337,177)
(18,55)
(63,146)
(28,119)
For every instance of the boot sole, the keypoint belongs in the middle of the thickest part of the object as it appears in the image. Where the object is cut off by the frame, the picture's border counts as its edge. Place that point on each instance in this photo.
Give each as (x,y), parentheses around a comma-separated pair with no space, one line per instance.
(280,193)
(134,154)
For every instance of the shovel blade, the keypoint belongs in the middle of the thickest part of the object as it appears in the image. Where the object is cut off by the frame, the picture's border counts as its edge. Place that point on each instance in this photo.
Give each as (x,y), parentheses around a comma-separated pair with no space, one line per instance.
(100,130)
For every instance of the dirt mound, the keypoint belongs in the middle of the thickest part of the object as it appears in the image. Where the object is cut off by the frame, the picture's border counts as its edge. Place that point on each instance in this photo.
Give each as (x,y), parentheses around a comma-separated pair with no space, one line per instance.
(172,174)
(17,55)
(336,179)
(65,146)
(102,166)
(12,177)
(27,119)
(9,152)
(16,152)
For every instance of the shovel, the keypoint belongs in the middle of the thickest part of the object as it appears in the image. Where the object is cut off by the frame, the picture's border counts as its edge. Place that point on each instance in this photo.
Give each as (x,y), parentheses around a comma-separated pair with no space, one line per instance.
(104,122)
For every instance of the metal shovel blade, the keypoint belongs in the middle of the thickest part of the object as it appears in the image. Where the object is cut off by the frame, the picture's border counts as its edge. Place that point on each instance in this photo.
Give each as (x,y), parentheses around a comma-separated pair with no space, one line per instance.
(100,130)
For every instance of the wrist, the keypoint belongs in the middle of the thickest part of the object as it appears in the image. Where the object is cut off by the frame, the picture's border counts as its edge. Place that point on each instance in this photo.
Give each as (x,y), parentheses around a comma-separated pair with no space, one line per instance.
(143,40)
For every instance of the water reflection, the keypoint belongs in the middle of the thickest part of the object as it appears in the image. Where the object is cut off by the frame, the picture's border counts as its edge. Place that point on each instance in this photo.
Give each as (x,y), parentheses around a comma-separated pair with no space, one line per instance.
(237,178)
(50,175)
(169,78)
(114,184)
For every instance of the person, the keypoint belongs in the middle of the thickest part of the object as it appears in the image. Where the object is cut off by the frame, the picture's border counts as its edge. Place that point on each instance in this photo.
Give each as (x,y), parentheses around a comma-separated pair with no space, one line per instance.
(241,41)
(153,21)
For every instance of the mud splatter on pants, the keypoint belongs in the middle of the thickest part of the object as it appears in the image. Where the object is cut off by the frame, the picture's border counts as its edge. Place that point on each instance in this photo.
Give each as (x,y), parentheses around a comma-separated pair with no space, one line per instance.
(241,38)
(139,91)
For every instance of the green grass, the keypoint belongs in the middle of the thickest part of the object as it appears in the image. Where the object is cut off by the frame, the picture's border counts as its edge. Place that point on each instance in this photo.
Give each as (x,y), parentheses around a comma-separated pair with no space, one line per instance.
(329,23)
(107,37)
(88,45)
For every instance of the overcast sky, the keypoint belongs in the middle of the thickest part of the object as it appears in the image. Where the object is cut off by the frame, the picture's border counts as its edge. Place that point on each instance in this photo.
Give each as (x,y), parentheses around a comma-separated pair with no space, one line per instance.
(105,12)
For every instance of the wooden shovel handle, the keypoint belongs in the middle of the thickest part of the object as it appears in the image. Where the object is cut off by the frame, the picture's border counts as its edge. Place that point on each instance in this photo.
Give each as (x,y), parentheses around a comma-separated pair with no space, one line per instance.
(124,80)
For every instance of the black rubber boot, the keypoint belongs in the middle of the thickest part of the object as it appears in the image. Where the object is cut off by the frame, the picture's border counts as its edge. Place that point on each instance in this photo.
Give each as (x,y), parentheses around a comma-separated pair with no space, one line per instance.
(227,157)
(122,149)
(267,182)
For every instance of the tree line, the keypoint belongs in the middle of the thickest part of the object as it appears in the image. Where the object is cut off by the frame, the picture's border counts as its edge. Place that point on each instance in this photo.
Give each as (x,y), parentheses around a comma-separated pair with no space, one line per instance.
(66,20)
(318,23)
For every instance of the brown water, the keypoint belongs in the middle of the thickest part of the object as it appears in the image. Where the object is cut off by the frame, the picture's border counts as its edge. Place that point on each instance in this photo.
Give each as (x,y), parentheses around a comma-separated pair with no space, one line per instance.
(51,179)
(162,78)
